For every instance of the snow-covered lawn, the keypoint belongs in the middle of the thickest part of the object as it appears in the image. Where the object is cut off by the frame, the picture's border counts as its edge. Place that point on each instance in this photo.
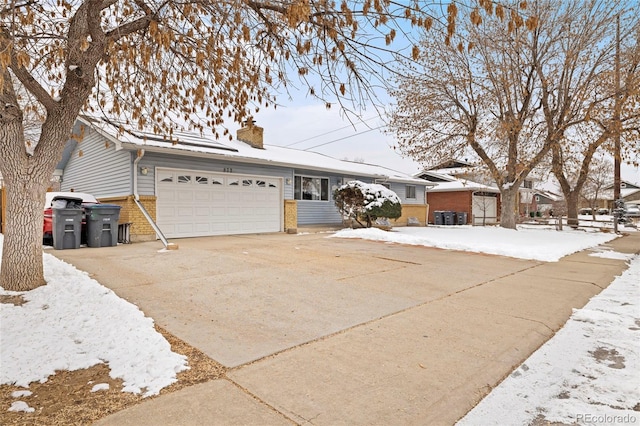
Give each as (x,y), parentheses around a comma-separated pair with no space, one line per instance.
(536,244)
(74,322)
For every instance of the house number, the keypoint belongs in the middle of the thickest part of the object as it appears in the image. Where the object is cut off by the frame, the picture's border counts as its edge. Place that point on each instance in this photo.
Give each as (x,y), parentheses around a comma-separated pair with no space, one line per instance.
(228,170)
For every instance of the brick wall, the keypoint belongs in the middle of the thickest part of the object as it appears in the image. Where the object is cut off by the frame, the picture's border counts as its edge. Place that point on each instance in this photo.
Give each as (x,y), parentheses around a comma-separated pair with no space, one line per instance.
(290,215)
(141,229)
(457,201)
(419,211)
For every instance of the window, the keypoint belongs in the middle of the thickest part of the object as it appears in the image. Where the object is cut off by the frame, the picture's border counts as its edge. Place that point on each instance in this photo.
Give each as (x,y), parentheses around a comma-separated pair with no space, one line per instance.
(311,188)
(184,179)
(528,184)
(233,182)
(410,192)
(247,182)
(261,183)
(202,180)
(216,181)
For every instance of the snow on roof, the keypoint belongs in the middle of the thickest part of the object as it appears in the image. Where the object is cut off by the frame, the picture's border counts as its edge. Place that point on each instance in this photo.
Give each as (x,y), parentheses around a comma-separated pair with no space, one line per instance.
(207,146)
(463,185)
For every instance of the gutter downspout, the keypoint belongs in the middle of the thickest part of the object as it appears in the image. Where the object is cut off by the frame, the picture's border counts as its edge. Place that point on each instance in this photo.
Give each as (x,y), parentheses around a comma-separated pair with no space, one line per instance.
(136,199)
(139,156)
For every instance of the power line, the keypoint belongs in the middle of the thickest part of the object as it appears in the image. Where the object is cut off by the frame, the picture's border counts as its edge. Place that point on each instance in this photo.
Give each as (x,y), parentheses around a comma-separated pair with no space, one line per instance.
(327,133)
(343,138)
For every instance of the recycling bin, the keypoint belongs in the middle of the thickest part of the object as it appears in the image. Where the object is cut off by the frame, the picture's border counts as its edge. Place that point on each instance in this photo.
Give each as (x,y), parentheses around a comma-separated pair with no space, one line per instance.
(438,218)
(102,225)
(66,223)
(448,217)
(462,218)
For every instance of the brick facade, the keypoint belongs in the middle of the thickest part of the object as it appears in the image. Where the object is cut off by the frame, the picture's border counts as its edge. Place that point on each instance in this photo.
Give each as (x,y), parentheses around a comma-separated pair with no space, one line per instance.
(290,216)
(141,229)
(457,201)
(419,211)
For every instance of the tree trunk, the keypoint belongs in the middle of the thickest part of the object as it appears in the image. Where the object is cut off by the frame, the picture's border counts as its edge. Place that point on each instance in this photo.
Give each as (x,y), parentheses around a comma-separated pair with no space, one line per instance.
(26,180)
(22,268)
(508,213)
(572,208)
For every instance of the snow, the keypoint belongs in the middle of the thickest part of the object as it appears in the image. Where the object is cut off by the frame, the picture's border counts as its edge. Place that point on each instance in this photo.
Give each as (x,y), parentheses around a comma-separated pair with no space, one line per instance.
(535,244)
(374,194)
(99,387)
(74,322)
(588,369)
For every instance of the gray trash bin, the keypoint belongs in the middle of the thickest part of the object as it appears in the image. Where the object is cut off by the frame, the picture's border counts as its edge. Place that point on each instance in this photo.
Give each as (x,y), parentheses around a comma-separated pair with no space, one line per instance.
(102,225)
(462,218)
(66,222)
(448,217)
(438,218)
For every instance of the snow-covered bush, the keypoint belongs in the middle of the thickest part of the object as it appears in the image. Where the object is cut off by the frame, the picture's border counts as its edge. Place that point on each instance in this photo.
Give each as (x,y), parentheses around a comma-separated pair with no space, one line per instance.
(366,201)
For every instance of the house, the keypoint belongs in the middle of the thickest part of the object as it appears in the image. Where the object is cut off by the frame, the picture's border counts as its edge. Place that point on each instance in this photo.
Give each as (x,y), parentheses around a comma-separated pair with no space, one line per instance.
(535,200)
(629,192)
(454,191)
(193,186)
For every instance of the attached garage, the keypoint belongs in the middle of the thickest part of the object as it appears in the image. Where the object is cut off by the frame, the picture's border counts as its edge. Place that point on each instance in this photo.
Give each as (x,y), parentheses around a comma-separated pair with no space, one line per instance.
(194,203)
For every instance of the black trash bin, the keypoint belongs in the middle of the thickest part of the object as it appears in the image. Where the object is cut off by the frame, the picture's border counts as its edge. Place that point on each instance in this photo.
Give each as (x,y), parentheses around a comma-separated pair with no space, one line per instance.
(462,218)
(102,225)
(66,222)
(438,218)
(448,217)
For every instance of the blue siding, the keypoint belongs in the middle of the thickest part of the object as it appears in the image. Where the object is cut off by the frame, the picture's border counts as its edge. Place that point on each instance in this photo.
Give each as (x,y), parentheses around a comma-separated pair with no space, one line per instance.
(101,170)
(105,172)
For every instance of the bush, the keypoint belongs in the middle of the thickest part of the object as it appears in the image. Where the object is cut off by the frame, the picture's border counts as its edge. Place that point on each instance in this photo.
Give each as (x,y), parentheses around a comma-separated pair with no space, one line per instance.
(367,202)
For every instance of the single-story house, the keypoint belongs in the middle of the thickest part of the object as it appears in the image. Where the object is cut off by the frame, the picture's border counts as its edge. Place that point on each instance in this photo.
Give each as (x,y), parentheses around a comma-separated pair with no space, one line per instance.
(193,185)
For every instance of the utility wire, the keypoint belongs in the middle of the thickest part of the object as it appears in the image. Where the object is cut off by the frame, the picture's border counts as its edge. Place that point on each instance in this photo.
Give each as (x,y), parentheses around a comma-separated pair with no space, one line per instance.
(343,138)
(327,133)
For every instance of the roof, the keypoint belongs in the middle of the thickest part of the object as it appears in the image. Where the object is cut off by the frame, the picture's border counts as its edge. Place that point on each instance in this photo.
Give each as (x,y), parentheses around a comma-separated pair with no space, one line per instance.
(463,185)
(194,144)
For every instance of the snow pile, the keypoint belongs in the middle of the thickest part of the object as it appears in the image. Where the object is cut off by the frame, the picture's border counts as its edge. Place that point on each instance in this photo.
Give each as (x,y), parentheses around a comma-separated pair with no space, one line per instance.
(74,322)
(374,194)
(587,373)
(535,244)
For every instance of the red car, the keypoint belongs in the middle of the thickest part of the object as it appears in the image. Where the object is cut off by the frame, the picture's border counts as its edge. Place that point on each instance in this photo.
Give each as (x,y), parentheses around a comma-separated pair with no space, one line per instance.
(61,199)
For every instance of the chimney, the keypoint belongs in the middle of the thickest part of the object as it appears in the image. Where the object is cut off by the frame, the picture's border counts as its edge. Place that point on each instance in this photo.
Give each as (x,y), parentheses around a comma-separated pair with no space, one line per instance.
(251,134)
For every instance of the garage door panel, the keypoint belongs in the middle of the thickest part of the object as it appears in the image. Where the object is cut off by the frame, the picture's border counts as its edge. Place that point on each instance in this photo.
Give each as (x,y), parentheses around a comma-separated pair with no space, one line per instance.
(200,203)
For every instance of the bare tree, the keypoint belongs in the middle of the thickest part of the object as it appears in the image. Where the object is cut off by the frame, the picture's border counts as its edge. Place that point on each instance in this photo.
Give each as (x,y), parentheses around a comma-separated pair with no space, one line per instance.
(478,90)
(517,94)
(154,64)
(578,94)
(600,175)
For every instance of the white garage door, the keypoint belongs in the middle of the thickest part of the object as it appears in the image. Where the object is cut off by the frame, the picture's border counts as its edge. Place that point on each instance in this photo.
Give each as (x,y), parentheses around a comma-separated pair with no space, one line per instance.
(485,210)
(193,204)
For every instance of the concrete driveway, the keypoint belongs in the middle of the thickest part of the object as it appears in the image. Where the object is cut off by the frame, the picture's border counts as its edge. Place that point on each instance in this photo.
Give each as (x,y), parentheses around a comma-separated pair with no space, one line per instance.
(363,332)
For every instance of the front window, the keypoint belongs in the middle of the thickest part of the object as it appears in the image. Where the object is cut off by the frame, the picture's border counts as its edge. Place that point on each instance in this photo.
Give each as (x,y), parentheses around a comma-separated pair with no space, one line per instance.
(311,188)
(410,192)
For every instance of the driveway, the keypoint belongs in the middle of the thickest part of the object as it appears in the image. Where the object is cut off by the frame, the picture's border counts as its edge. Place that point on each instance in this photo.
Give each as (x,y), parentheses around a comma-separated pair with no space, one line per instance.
(362,332)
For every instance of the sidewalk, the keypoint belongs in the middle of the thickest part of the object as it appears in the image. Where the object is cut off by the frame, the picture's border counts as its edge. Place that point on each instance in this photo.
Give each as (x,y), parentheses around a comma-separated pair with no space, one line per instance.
(429,360)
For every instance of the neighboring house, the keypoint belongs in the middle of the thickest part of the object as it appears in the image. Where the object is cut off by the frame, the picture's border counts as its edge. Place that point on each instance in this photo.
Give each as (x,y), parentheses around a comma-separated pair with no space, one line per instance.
(480,202)
(629,192)
(196,186)
(538,201)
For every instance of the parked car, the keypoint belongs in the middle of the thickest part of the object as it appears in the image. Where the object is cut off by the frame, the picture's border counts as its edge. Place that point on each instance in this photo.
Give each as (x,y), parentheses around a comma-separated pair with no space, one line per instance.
(60,199)
(603,211)
(632,210)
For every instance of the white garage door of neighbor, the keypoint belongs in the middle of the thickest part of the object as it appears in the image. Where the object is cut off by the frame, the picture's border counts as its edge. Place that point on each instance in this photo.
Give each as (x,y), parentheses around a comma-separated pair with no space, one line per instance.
(485,210)
(194,204)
